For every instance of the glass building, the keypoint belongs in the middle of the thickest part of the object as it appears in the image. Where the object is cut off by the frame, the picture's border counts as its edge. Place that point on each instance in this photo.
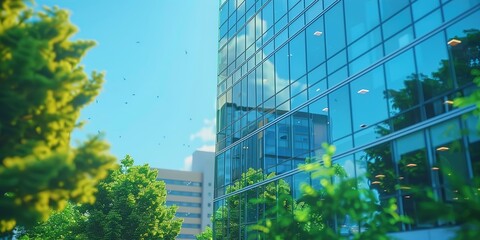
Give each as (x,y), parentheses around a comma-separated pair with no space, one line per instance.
(375,78)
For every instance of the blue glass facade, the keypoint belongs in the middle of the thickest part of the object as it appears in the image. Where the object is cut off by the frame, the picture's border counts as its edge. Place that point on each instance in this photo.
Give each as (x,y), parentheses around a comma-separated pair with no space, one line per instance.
(376,78)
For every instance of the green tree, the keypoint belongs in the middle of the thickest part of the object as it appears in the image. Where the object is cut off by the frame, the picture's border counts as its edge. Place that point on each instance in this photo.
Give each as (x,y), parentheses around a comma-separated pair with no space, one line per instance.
(61,225)
(229,218)
(324,213)
(130,205)
(465,211)
(42,90)
(205,235)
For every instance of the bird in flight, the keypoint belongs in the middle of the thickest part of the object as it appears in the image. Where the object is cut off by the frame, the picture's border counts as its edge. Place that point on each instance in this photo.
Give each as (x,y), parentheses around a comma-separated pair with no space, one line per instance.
(124,78)
(186,52)
(138,41)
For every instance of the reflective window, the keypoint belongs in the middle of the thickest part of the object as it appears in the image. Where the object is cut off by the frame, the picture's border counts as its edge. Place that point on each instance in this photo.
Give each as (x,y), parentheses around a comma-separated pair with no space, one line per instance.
(361,17)
(474,144)
(376,165)
(319,123)
(364,91)
(450,157)
(421,7)
(315,44)
(301,132)
(297,57)
(465,56)
(414,173)
(432,71)
(366,60)
(282,69)
(343,144)
(390,7)
(396,23)
(280,8)
(428,23)
(402,83)
(398,41)
(365,43)
(337,77)
(339,109)
(457,7)
(336,62)
(334,29)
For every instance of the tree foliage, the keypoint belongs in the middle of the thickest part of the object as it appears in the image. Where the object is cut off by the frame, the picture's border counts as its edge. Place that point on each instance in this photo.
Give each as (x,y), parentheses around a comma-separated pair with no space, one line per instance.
(42,90)
(62,224)
(206,235)
(326,212)
(130,205)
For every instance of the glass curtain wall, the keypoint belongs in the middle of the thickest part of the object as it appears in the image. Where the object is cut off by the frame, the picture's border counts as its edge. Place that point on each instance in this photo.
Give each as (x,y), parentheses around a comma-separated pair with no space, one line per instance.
(371,77)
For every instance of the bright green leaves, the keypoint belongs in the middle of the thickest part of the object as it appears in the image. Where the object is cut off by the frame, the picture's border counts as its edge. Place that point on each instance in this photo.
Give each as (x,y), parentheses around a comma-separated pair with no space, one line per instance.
(338,200)
(130,204)
(42,90)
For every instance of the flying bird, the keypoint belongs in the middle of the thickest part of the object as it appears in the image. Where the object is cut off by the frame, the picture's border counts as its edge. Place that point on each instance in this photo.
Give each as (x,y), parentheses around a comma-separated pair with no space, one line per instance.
(124,79)
(126,102)
(138,41)
(186,52)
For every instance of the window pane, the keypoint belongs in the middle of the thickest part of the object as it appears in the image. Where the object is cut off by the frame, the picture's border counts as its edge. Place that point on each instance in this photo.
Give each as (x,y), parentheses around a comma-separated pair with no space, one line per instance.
(334,29)
(434,75)
(315,44)
(389,7)
(339,109)
(297,57)
(402,83)
(366,90)
(361,16)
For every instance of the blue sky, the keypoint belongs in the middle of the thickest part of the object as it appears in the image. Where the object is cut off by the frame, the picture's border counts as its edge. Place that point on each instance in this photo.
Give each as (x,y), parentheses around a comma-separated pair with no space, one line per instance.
(160,60)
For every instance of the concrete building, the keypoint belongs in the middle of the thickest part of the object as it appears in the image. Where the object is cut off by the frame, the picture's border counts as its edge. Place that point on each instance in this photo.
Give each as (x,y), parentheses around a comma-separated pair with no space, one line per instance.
(380,75)
(192,192)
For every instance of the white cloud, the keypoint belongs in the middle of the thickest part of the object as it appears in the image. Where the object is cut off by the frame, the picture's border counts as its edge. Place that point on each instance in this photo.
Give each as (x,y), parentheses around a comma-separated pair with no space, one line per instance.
(187,163)
(207,148)
(206,133)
